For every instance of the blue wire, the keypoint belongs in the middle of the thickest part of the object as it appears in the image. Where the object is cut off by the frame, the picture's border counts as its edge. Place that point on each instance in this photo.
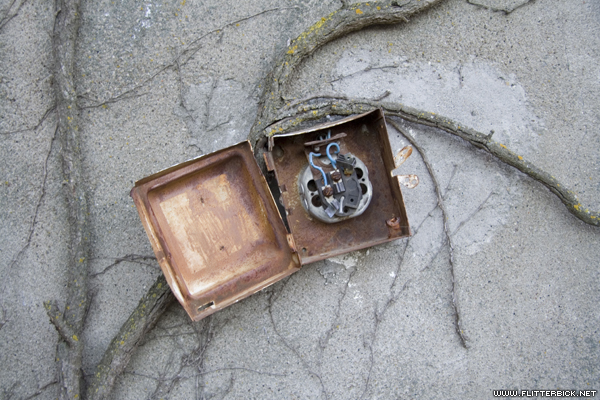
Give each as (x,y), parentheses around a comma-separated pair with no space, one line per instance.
(310,157)
(329,134)
(329,155)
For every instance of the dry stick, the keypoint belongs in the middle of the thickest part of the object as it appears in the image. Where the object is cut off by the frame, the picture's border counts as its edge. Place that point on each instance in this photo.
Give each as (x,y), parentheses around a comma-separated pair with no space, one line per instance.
(346,20)
(70,322)
(448,237)
(317,108)
(119,352)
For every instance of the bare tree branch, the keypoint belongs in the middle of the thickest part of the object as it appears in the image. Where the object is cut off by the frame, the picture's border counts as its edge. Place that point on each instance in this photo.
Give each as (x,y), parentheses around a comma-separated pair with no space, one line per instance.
(347,19)
(150,308)
(71,321)
(448,237)
(317,108)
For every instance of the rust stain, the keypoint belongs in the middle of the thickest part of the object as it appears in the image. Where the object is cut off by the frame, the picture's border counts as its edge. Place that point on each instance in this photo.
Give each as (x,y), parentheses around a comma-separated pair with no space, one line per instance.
(210,225)
(217,233)
(402,155)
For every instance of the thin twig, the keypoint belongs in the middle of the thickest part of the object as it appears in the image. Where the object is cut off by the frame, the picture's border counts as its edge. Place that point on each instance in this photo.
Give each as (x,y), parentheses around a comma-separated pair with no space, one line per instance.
(41,390)
(36,126)
(481,206)
(292,348)
(505,10)
(133,258)
(448,240)
(70,348)
(3,318)
(15,260)
(179,60)
(318,108)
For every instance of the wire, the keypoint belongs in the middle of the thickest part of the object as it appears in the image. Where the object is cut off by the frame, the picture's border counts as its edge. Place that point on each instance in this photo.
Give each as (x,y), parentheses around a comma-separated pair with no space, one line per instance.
(329,155)
(312,164)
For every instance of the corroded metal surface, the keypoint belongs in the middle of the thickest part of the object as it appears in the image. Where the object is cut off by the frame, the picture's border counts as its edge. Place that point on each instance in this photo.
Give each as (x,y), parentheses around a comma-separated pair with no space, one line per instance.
(402,155)
(215,229)
(366,138)
(410,181)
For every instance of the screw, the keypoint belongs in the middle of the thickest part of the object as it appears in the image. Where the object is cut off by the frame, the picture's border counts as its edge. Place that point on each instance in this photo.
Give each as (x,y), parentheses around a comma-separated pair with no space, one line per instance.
(327,191)
(393,223)
(336,175)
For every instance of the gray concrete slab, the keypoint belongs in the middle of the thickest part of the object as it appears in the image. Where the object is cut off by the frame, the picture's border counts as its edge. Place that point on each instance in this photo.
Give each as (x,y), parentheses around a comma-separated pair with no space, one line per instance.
(376,323)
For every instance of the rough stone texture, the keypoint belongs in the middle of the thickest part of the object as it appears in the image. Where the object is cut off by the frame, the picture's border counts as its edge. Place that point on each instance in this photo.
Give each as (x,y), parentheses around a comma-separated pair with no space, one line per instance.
(527,272)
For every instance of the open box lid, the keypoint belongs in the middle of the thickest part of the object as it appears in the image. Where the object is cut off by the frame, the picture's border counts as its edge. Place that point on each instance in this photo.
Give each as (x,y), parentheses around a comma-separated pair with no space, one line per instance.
(215,229)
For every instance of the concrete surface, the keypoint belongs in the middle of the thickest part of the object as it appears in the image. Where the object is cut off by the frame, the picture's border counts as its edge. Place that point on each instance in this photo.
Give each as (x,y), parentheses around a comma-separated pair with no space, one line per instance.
(377,323)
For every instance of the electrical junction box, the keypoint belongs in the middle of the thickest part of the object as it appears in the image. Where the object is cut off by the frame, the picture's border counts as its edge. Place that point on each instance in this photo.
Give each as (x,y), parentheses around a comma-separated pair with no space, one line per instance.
(219,235)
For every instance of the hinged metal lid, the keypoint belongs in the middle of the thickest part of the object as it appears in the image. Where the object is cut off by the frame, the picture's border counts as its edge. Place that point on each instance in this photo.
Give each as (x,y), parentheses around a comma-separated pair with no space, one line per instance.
(215,229)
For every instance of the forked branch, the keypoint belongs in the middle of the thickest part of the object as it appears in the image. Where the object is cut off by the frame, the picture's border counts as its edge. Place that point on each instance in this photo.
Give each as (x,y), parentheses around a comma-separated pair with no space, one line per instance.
(317,108)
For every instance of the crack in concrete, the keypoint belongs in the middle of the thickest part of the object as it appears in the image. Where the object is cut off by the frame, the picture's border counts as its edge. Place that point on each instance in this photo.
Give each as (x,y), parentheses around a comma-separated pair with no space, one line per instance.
(8,16)
(186,55)
(504,10)
(15,260)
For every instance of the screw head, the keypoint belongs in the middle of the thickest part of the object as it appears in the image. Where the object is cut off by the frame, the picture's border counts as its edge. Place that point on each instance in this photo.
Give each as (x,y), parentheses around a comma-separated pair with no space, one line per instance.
(393,223)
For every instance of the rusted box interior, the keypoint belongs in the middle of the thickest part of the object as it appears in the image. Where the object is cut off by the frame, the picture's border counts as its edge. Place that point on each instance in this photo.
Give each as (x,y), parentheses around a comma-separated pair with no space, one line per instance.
(216,230)
(367,138)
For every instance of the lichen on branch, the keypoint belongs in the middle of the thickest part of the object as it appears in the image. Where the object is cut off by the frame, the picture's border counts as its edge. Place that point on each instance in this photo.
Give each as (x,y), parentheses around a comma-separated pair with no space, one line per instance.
(71,320)
(317,108)
(346,20)
(121,349)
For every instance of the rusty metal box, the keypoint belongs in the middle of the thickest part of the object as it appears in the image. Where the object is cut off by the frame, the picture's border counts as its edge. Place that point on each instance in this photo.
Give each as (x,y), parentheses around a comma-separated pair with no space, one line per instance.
(218,234)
